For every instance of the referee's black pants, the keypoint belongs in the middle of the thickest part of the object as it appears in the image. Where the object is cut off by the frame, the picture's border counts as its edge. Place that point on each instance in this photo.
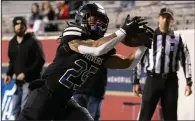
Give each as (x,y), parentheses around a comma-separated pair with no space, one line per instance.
(164,87)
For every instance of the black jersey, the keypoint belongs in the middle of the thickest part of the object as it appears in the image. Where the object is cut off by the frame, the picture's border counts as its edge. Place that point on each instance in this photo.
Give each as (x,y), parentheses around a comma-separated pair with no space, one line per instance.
(70,68)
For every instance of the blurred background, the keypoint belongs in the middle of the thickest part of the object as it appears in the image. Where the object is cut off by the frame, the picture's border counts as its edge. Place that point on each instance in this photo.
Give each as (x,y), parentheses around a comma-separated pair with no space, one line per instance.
(47,20)
(117,10)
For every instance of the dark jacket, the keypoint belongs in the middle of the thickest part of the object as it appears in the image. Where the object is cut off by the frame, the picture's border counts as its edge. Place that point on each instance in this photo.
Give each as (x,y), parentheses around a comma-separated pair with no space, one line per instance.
(26,57)
(95,86)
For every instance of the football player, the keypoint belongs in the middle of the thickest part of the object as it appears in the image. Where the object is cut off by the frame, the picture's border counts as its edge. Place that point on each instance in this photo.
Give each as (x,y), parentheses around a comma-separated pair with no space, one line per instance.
(83,49)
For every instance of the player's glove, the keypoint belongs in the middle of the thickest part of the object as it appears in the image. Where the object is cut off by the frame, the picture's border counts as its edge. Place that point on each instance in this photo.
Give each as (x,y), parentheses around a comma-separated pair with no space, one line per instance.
(132,26)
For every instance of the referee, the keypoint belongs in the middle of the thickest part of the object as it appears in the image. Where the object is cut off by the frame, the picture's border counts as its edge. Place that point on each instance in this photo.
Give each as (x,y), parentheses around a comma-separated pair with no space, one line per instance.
(162,63)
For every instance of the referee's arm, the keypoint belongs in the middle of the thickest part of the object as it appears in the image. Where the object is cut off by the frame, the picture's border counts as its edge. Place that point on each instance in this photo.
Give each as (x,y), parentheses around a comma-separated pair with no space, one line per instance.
(138,69)
(185,61)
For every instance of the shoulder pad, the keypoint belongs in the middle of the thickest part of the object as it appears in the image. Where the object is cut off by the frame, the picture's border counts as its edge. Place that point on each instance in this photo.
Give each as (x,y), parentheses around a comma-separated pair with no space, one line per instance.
(73,31)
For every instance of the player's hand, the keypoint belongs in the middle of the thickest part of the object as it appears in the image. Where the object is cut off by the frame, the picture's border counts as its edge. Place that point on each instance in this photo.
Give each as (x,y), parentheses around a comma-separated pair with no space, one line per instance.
(137,90)
(7,80)
(188,91)
(20,76)
(132,26)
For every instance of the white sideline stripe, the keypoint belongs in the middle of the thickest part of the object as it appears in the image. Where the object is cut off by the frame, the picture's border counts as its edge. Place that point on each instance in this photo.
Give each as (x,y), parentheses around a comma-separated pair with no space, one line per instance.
(73,28)
(71,33)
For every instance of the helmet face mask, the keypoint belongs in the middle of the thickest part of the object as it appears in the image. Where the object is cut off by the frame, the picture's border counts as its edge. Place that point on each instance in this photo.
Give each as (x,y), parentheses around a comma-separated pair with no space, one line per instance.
(96,23)
(93,18)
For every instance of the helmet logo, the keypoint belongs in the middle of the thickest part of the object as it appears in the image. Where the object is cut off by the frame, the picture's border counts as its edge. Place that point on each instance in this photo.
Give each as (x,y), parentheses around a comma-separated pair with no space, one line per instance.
(18,21)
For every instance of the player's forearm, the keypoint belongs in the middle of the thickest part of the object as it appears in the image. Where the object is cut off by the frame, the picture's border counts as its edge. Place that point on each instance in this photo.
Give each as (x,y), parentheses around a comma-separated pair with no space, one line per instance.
(105,44)
(136,57)
(120,62)
(110,37)
(105,39)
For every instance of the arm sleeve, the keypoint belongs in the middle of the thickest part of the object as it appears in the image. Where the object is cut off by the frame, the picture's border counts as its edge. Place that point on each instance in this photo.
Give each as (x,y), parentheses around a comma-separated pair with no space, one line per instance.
(104,48)
(185,60)
(10,70)
(138,55)
(75,33)
(40,58)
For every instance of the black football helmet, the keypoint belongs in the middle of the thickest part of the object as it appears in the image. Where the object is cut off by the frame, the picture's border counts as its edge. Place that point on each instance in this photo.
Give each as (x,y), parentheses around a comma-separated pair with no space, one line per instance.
(93,9)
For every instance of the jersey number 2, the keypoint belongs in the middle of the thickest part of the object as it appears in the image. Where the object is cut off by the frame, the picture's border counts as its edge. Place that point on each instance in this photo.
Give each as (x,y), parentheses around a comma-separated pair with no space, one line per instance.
(82,71)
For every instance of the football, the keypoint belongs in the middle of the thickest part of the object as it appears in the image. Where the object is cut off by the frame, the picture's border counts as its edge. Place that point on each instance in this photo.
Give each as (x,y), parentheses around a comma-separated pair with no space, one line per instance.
(137,40)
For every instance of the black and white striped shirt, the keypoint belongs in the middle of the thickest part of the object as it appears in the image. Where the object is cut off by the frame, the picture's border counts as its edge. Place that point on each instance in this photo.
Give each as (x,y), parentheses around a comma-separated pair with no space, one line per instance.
(164,56)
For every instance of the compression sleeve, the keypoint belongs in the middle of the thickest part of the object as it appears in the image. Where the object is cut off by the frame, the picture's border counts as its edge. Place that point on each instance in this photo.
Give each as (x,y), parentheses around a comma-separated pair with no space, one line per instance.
(104,48)
(138,55)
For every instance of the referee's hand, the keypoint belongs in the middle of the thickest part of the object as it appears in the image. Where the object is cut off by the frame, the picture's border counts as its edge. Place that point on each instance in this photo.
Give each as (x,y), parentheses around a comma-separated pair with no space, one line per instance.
(188,90)
(137,90)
